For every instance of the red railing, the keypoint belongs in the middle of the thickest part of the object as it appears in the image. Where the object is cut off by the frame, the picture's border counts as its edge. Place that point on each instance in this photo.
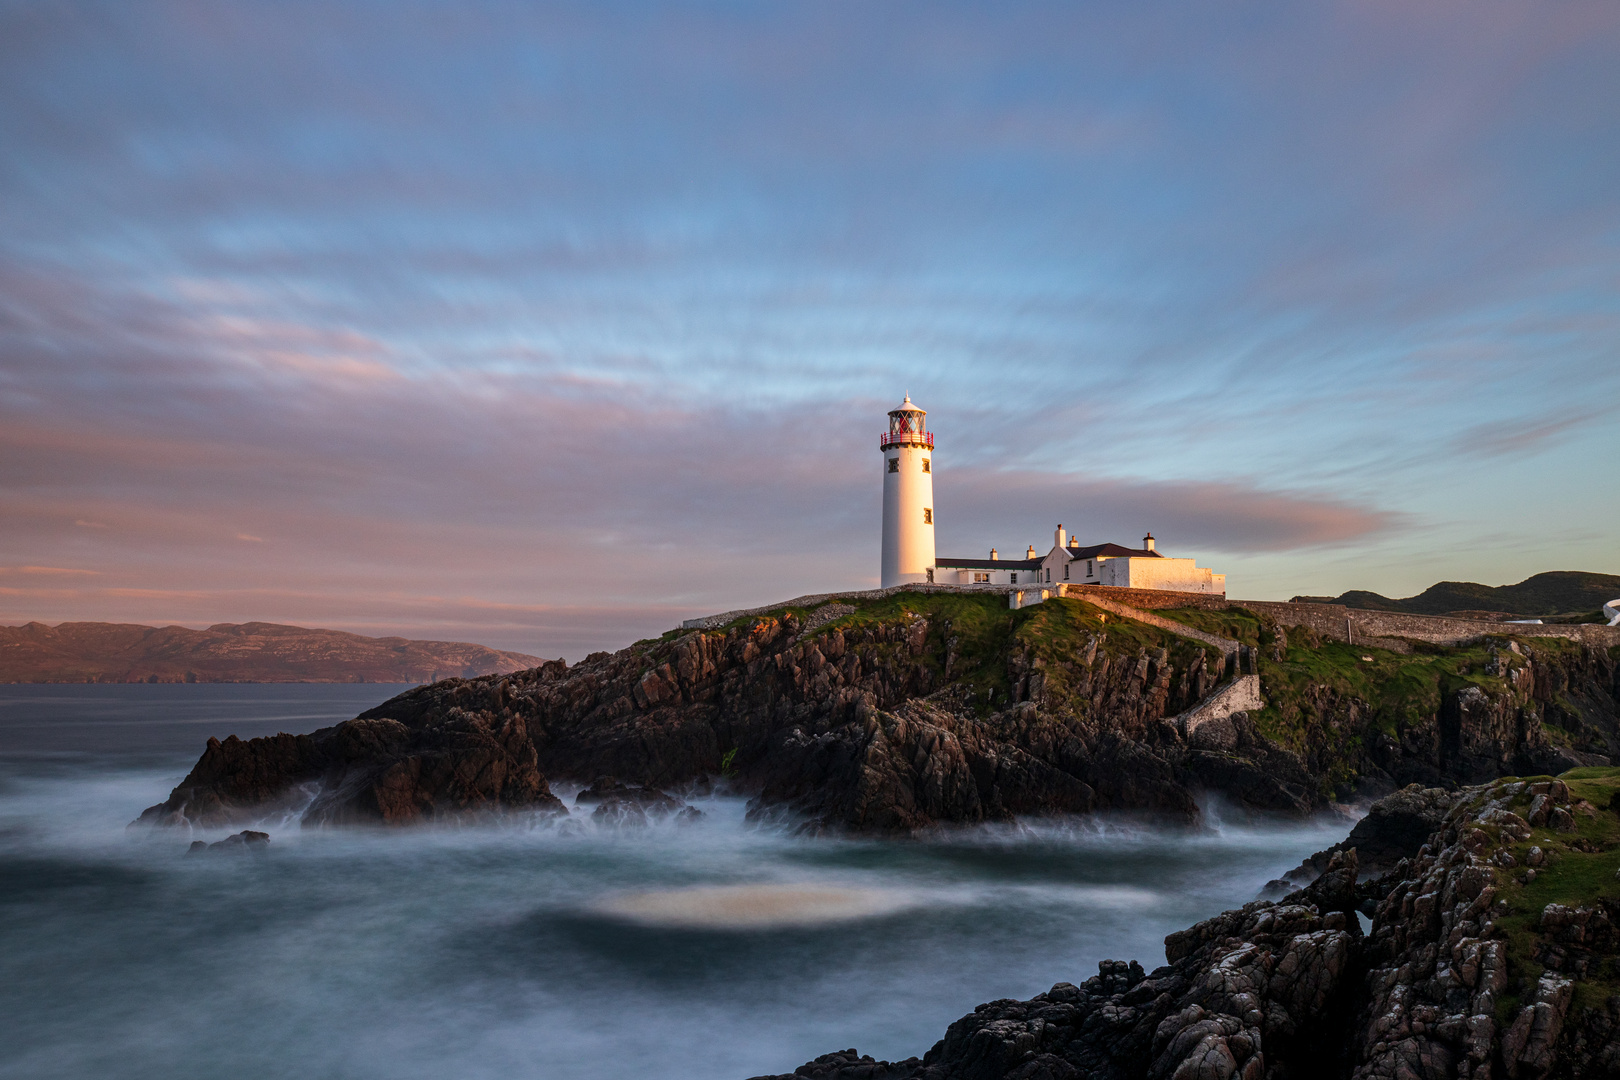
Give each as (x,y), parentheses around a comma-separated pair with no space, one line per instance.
(906,438)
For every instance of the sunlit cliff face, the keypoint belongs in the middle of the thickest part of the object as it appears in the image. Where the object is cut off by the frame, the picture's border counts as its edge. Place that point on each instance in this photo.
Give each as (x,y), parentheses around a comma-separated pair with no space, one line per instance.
(548,326)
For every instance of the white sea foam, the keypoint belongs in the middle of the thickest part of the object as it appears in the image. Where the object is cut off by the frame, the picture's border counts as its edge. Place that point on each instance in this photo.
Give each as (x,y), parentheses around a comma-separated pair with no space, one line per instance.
(752,907)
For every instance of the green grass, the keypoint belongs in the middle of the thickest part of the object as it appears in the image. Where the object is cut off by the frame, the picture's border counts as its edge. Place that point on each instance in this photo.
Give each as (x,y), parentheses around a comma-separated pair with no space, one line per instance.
(982,634)
(1571,876)
(1240,624)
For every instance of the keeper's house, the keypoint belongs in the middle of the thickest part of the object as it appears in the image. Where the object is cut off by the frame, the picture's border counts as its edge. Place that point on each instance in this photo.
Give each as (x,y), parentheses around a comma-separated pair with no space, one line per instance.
(1098,564)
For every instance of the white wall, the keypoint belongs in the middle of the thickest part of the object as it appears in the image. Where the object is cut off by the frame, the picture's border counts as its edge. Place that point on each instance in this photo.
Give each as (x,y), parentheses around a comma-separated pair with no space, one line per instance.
(1177,575)
(908,540)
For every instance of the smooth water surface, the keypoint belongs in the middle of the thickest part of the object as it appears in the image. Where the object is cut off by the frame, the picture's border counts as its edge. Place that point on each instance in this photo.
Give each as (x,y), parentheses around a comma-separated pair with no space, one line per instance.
(529,948)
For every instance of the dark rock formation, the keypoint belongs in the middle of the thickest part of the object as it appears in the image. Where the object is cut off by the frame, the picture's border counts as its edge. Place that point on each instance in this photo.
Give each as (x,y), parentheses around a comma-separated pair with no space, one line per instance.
(1251,993)
(245,841)
(365,770)
(621,805)
(899,715)
(1468,972)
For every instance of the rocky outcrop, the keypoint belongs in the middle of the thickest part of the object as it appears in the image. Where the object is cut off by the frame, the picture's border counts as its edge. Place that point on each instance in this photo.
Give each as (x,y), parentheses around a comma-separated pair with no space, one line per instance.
(938,709)
(243,842)
(1251,993)
(1467,972)
(365,770)
(623,805)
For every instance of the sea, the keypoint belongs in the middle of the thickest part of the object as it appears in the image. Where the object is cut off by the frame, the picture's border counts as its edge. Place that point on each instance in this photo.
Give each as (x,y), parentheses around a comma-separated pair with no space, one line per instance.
(530,946)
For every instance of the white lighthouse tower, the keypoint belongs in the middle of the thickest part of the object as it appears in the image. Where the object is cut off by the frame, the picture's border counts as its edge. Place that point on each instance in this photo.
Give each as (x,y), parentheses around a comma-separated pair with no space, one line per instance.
(908,497)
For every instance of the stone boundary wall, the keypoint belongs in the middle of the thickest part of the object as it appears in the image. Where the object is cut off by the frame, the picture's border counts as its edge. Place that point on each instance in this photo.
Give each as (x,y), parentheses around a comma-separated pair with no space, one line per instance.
(1242,694)
(1367,627)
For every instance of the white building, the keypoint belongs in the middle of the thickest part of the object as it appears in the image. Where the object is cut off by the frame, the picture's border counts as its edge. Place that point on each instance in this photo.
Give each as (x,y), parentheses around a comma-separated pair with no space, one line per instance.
(908,497)
(908,535)
(1069,563)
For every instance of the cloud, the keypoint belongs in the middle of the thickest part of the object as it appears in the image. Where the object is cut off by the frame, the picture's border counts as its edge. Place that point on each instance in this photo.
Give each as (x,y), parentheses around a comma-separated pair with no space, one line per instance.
(1520,436)
(1000,508)
(595,311)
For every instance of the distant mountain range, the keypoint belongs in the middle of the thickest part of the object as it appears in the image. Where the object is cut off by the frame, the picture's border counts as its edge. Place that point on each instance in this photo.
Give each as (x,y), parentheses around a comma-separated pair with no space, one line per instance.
(1558,592)
(235,652)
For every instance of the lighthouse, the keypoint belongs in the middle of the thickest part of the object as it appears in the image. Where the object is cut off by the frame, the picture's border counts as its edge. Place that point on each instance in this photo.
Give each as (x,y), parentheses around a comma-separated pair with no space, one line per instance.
(908,497)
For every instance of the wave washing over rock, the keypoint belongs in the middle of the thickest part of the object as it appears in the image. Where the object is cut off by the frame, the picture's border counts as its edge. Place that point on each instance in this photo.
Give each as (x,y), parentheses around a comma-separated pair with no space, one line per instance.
(893,715)
(1491,953)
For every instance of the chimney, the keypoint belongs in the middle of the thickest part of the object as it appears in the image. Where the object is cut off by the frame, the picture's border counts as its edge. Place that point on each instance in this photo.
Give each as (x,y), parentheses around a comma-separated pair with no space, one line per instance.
(993,555)
(1147,541)
(1061,537)
(1030,554)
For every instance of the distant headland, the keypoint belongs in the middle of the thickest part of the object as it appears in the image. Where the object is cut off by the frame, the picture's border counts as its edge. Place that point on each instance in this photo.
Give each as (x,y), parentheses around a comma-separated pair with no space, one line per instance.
(254,652)
(1564,595)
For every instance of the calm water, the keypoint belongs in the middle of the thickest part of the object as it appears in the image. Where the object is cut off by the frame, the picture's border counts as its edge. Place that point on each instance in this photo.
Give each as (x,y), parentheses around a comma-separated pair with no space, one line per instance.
(525,949)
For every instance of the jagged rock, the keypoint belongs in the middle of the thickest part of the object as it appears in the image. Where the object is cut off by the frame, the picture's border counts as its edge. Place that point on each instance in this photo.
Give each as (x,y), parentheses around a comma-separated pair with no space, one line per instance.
(369,769)
(1290,988)
(867,727)
(627,805)
(848,1065)
(1262,985)
(245,841)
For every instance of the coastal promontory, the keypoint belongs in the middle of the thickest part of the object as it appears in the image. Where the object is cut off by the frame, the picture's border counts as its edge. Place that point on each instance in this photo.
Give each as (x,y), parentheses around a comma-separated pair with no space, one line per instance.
(909,709)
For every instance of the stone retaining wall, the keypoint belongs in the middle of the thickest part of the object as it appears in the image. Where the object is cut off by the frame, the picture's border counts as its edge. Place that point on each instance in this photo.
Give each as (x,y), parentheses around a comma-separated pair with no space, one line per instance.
(1242,694)
(1369,627)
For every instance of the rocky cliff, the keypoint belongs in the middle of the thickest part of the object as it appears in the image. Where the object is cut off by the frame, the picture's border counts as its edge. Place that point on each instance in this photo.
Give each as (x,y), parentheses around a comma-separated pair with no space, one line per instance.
(893,714)
(1491,953)
(234,652)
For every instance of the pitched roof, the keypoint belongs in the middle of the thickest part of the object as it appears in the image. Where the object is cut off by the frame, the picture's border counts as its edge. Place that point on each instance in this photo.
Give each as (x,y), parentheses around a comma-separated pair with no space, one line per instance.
(989,564)
(1111,551)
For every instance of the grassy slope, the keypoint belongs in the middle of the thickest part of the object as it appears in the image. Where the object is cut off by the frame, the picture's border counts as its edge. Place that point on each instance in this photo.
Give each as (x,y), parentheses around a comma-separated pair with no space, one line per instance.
(1397,689)
(988,634)
(1572,877)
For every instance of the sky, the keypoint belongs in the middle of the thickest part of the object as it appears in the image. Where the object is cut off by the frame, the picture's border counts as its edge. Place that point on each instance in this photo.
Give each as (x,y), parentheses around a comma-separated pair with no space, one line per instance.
(547,326)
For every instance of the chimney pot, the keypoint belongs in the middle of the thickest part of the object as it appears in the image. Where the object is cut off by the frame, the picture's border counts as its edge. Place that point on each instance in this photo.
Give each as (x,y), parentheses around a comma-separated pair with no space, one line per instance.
(1030,554)
(993,556)
(1147,541)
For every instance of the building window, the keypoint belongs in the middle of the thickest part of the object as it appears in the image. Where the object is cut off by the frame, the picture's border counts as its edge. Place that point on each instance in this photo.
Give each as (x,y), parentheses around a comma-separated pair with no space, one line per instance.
(1012,578)
(1048,573)
(928,515)
(1065,571)
(926,466)
(894,464)
(1090,569)
(981,579)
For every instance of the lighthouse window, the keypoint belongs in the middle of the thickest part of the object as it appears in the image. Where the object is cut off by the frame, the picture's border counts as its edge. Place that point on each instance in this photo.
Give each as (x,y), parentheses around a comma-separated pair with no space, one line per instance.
(926,464)
(928,516)
(894,464)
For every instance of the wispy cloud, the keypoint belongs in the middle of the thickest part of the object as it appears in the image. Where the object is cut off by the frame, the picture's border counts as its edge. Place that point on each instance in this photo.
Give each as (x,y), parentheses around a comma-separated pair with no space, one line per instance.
(303,309)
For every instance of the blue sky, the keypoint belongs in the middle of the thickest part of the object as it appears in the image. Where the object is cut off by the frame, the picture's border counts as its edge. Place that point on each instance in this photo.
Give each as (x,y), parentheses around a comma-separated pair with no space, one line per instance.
(549,325)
